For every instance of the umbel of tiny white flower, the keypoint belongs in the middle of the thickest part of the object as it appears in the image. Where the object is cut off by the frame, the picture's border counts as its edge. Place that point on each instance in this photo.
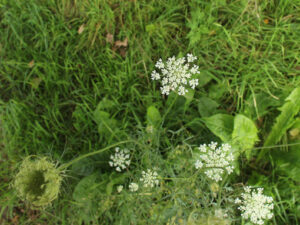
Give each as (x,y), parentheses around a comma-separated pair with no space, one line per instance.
(255,206)
(38,181)
(133,187)
(176,74)
(120,188)
(149,178)
(120,159)
(215,160)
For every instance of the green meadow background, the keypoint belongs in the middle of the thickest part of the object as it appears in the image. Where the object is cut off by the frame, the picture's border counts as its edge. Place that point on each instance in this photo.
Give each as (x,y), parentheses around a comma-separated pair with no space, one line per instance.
(75,77)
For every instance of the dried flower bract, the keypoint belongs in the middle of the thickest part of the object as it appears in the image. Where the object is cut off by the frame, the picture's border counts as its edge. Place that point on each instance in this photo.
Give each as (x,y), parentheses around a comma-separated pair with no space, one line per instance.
(38,181)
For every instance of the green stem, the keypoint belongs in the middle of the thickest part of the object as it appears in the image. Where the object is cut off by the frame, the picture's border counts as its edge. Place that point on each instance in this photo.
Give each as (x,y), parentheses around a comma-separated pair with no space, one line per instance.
(66,165)
(220,190)
(169,108)
(264,150)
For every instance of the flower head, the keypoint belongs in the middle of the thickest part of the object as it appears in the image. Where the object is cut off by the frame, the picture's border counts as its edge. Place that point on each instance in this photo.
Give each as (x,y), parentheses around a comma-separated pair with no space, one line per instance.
(215,160)
(176,74)
(120,188)
(255,206)
(133,187)
(38,181)
(149,178)
(120,159)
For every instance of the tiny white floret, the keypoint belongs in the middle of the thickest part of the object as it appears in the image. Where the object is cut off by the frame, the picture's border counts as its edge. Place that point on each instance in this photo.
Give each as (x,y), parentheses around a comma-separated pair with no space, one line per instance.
(120,188)
(176,74)
(149,178)
(215,160)
(133,187)
(255,206)
(120,160)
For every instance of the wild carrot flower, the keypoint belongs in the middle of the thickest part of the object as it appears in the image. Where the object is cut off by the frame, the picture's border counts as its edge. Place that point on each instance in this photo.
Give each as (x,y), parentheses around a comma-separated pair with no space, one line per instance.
(255,206)
(120,188)
(133,187)
(120,159)
(38,181)
(215,160)
(149,178)
(176,74)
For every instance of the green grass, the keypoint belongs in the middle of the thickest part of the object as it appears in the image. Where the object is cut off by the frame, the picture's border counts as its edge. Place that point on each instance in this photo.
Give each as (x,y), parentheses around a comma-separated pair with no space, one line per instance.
(248,55)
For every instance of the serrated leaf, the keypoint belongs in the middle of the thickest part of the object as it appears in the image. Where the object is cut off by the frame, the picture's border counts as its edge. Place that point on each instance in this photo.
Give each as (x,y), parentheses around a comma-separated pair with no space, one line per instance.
(286,118)
(153,116)
(221,125)
(207,106)
(244,134)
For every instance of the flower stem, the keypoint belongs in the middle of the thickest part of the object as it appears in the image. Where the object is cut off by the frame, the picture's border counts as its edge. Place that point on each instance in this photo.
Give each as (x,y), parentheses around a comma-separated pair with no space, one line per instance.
(169,108)
(66,165)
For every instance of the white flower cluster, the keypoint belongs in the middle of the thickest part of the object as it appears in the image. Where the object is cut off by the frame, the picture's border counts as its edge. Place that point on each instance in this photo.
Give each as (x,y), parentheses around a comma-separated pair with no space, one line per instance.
(215,160)
(133,187)
(176,74)
(120,188)
(120,160)
(255,206)
(149,178)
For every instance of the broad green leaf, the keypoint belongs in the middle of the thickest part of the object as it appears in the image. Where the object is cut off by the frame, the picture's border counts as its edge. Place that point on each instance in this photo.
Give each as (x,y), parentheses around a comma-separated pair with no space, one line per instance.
(195,124)
(244,134)
(85,194)
(286,118)
(217,91)
(207,106)
(83,167)
(105,104)
(106,125)
(258,105)
(79,118)
(221,125)
(84,189)
(153,116)
(203,78)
